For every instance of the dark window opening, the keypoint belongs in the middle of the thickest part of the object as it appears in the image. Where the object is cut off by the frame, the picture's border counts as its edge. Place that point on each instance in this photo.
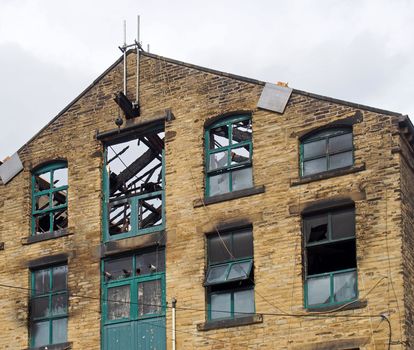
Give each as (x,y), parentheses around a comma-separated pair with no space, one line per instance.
(230,277)
(330,257)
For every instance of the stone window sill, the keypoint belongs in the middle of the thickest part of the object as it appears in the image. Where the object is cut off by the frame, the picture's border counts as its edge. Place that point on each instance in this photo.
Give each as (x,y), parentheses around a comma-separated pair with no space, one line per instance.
(327,175)
(235,322)
(45,236)
(229,196)
(356,304)
(61,346)
(109,248)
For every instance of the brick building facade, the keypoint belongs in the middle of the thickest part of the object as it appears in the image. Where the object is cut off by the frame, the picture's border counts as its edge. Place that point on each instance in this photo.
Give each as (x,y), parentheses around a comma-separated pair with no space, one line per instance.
(272,228)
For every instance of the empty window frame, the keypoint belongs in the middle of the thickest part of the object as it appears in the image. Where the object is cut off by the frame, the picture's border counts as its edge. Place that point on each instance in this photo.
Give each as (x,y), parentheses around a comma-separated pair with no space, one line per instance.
(49,306)
(326,150)
(229,155)
(134,186)
(50,198)
(229,277)
(330,258)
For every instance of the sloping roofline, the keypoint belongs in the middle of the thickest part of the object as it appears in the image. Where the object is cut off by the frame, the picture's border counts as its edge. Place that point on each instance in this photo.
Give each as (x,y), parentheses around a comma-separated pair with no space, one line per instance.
(207,70)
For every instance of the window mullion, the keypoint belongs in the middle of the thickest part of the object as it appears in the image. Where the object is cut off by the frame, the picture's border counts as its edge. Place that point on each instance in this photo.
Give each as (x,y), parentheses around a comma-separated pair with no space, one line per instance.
(50,304)
(232,304)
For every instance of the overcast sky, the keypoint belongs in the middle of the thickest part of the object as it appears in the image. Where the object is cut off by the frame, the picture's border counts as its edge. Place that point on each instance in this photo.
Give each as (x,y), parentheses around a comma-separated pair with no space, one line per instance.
(357,50)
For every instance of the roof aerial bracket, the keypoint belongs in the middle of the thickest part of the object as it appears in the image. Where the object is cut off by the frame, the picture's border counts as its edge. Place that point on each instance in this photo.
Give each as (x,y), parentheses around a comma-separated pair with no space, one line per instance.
(130,109)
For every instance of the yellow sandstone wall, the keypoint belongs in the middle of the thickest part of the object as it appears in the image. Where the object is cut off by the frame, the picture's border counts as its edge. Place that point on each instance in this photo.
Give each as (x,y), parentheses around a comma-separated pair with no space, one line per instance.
(194,97)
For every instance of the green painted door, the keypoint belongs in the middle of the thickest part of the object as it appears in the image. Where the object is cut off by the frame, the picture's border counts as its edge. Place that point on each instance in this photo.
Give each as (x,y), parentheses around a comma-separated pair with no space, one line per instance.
(133,305)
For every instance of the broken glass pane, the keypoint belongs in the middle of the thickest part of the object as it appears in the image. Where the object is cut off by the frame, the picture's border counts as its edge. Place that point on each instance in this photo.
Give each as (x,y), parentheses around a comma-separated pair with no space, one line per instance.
(59,304)
(42,223)
(217,251)
(135,166)
(242,179)
(42,202)
(218,160)
(150,262)
(40,333)
(240,155)
(314,149)
(42,181)
(219,184)
(240,271)
(41,281)
(345,286)
(314,166)
(242,131)
(319,290)
(343,224)
(119,218)
(59,197)
(59,278)
(60,177)
(316,228)
(40,307)
(118,269)
(340,160)
(340,143)
(219,137)
(60,219)
(60,330)
(243,302)
(331,257)
(149,212)
(118,302)
(217,274)
(149,297)
(220,305)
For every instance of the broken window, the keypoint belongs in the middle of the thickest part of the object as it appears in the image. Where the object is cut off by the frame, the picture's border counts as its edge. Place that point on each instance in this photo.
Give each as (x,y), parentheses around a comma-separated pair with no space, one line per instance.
(330,257)
(229,277)
(229,155)
(134,299)
(48,306)
(326,150)
(50,198)
(134,186)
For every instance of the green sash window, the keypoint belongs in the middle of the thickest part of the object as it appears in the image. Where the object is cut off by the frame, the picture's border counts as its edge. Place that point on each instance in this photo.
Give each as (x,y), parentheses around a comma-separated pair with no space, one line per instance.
(229,155)
(49,198)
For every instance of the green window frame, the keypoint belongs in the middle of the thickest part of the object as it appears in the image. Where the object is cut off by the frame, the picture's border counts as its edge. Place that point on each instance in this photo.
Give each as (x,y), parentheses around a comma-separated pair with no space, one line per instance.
(50,198)
(48,306)
(229,280)
(129,275)
(131,207)
(228,150)
(330,258)
(326,150)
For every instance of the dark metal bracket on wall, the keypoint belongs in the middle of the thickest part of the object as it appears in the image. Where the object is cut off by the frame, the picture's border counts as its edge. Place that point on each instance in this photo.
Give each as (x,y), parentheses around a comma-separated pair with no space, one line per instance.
(131,110)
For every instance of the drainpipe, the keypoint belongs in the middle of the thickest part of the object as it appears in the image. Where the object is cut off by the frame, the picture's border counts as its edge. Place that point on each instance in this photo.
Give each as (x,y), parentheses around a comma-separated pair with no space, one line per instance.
(173,303)
(125,60)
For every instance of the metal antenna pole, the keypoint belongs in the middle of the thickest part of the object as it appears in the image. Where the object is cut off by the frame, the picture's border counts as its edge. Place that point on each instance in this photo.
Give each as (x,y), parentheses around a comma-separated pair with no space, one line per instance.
(137,73)
(125,63)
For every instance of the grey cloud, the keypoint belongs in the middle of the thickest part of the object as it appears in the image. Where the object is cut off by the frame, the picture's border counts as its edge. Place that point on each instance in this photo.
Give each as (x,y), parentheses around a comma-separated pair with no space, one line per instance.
(32,93)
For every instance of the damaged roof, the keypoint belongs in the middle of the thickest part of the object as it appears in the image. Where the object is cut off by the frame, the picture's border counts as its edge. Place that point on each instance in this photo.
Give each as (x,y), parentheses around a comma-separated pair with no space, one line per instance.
(211,71)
